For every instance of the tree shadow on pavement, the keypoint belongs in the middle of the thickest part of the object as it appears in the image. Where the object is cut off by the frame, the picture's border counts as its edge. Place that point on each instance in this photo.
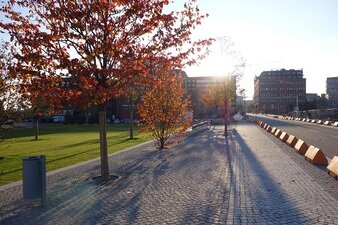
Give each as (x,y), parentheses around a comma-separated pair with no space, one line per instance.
(263,192)
(207,188)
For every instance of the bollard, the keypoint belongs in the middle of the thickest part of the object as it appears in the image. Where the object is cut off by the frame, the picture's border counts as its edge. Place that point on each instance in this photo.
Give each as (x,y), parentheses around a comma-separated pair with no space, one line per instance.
(315,156)
(327,123)
(332,168)
(284,137)
(292,141)
(278,133)
(301,147)
(273,130)
(268,129)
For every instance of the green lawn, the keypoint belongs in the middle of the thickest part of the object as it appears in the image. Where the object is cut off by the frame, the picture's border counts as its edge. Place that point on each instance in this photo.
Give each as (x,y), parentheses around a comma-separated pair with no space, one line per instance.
(63,145)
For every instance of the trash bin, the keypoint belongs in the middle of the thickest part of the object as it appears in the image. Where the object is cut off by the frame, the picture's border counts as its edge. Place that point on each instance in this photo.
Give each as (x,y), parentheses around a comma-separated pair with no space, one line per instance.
(31,177)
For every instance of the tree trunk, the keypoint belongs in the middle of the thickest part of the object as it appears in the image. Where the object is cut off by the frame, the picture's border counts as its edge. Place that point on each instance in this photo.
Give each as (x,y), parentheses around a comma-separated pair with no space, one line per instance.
(36,129)
(131,127)
(161,143)
(225,118)
(103,143)
(162,139)
(87,117)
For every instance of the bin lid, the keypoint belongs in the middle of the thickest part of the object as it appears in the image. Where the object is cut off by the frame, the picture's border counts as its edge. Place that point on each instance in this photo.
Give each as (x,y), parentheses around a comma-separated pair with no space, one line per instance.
(31,158)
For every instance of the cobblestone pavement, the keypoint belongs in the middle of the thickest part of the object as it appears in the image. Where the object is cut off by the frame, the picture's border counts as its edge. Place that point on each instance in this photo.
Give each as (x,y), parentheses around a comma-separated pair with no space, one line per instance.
(183,185)
(267,187)
(245,179)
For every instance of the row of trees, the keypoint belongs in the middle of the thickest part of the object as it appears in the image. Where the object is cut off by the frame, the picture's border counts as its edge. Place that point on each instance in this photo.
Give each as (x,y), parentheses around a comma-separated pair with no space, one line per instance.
(104,47)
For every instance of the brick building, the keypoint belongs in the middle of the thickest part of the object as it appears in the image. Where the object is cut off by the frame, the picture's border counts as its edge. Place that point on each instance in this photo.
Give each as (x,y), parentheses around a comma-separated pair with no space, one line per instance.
(279,91)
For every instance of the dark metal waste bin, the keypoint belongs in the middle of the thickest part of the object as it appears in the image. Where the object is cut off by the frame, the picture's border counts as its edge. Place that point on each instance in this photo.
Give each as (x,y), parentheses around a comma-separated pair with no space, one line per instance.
(33,177)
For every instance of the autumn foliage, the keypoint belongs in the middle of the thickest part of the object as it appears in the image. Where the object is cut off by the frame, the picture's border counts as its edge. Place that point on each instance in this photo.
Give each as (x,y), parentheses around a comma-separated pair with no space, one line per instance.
(10,101)
(164,107)
(87,52)
(220,95)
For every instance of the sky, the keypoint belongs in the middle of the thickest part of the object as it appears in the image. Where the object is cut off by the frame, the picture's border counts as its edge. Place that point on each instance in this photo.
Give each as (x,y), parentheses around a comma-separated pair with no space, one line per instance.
(271,35)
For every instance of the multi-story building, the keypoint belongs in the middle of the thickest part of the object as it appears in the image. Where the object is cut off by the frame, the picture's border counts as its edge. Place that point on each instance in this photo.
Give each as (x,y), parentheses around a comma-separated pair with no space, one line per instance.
(119,108)
(311,97)
(312,101)
(332,91)
(197,88)
(279,91)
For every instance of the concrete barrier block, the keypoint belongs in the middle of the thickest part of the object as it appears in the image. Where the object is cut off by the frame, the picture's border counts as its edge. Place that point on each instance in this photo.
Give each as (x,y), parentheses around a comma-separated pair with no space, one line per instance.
(284,137)
(335,124)
(313,121)
(315,156)
(273,130)
(301,147)
(304,120)
(268,129)
(332,168)
(265,126)
(292,141)
(278,133)
(262,124)
(327,123)
(320,122)
(308,120)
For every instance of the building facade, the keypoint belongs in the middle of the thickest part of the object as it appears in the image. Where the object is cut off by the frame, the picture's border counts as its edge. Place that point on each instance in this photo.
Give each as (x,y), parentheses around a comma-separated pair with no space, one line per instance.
(332,91)
(197,88)
(119,108)
(280,91)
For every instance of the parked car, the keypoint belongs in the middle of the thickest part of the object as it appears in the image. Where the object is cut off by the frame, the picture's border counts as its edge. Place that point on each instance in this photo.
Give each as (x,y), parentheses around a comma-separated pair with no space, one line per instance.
(117,121)
(58,118)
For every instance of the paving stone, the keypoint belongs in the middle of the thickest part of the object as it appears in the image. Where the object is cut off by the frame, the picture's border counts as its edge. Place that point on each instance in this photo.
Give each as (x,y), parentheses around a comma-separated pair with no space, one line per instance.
(247,178)
(274,183)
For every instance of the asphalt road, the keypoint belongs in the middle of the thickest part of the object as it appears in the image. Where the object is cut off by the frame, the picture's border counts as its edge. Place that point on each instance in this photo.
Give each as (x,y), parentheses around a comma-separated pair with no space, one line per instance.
(321,136)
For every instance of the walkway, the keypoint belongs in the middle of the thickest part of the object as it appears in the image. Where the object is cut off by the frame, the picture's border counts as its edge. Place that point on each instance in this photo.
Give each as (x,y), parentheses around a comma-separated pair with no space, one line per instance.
(247,179)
